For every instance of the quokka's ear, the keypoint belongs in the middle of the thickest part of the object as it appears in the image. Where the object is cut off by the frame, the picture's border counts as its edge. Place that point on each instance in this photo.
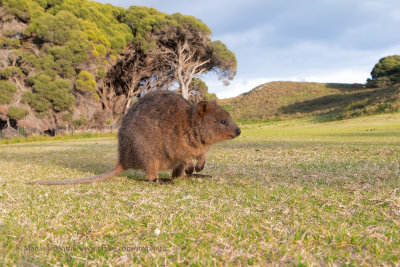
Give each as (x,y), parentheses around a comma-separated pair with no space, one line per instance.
(202,108)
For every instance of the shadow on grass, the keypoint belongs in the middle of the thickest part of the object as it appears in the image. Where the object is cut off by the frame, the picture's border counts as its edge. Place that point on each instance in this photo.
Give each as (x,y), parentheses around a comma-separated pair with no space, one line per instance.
(345,87)
(325,117)
(75,156)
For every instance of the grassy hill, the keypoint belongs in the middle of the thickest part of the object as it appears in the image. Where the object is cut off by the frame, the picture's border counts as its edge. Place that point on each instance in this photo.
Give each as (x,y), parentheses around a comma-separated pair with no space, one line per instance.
(283,100)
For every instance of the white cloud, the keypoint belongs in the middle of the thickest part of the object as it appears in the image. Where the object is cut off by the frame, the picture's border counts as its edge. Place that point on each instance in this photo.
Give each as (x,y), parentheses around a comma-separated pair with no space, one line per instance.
(338,76)
(236,87)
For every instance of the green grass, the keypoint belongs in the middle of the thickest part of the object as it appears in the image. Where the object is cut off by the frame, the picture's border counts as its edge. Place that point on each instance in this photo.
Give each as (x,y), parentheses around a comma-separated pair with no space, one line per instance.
(63,137)
(295,192)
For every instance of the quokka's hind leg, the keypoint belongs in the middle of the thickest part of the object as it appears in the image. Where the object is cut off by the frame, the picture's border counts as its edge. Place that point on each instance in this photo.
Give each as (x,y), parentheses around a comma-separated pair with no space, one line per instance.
(152,175)
(179,170)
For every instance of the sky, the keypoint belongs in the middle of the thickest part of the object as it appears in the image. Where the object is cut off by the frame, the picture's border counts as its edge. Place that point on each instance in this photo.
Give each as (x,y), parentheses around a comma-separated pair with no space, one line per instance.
(336,41)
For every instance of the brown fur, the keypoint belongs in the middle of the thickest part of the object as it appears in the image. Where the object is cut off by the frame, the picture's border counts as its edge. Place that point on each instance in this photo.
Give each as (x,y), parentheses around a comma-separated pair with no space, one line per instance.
(164,131)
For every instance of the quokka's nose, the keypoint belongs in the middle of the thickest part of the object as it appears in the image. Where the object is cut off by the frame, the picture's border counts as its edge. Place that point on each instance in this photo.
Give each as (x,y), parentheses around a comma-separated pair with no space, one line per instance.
(238,131)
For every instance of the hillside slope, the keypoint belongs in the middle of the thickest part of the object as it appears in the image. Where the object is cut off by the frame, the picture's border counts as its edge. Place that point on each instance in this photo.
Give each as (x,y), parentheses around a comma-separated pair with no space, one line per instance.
(282,100)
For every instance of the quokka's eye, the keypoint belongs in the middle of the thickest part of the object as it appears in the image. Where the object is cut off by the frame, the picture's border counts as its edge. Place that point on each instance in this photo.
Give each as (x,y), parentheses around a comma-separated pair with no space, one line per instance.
(223,122)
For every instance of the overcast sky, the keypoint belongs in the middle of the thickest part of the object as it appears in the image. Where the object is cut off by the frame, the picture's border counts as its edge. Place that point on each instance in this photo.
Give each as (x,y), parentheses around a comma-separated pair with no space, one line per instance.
(292,40)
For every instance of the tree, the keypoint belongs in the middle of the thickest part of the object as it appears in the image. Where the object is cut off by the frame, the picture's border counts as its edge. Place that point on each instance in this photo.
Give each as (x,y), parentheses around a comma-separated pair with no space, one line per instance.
(386,72)
(199,91)
(7,90)
(136,72)
(182,44)
(188,49)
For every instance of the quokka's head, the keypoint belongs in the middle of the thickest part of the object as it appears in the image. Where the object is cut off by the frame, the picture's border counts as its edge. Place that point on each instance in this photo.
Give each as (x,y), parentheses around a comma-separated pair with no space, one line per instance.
(217,124)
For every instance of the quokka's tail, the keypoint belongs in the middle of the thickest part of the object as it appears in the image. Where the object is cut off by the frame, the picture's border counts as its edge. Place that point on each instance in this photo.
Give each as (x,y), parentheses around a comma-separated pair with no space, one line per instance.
(98,178)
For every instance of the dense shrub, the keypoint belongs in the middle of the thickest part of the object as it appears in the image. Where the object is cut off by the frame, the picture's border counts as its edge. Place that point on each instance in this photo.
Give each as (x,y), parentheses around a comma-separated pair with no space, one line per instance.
(86,83)
(75,49)
(57,29)
(9,43)
(7,90)
(24,10)
(66,117)
(17,113)
(79,122)
(48,93)
(11,71)
(386,72)
(43,63)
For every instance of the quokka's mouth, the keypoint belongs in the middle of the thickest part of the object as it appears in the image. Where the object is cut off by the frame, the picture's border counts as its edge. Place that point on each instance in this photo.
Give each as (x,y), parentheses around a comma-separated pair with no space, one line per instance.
(231,136)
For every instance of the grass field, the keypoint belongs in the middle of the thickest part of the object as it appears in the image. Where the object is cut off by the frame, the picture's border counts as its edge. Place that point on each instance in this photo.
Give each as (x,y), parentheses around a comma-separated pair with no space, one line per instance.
(295,192)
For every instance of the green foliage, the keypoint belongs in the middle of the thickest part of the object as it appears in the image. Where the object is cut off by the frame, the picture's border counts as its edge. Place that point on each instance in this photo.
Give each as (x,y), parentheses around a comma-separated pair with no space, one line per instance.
(199,85)
(143,21)
(224,60)
(9,43)
(86,83)
(79,122)
(189,22)
(7,90)
(209,96)
(66,117)
(57,29)
(11,71)
(18,8)
(62,60)
(386,72)
(359,104)
(37,101)
(48,93)
(99,22)
(101,72)
(65,68)
(95,36)
(147,22)
(23,9)
(75,49)
(201,88)
(17,113)
(101,50)
(44,63)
